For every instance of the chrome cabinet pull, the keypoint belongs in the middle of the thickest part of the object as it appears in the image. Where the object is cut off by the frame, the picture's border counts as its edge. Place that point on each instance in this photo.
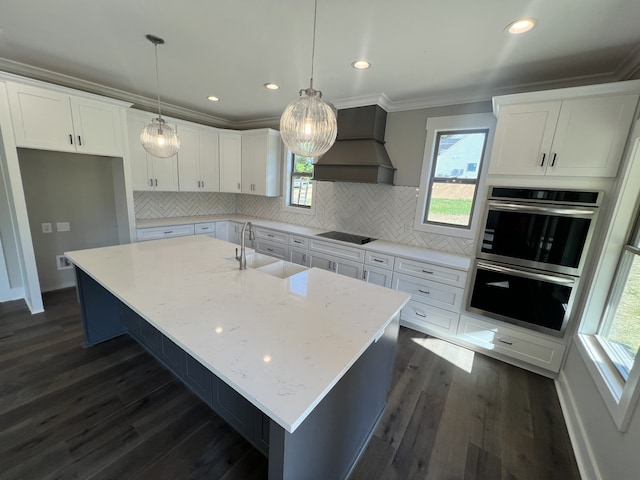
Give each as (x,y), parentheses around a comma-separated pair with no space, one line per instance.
(427,271)
(424,291)
(420,314)
(553,160)
(269,249)
(365,275)
(238,186)
(544,156)
(79,141)
(270,235)
(156,182)
(297,241)
(151,182)
(71,139)
(167,233)
(378,260)
(504,341)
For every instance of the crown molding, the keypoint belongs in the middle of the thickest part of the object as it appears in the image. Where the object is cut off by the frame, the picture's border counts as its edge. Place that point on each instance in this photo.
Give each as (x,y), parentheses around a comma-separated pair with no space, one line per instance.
(138,101)
(629,68)
(375,99)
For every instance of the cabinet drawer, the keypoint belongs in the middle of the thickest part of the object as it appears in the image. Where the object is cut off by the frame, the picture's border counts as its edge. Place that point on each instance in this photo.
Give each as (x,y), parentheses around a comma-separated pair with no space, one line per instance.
(205,229)
(421,316)
(432,293)
(380,260)
(271,248)
(155,233)
(350,253)
(450,276)
(511,342)
(298,241)
(272,235)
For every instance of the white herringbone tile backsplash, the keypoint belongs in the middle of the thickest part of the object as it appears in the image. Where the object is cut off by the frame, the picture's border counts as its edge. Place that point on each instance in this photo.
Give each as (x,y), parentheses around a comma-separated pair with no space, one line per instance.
(182,204)
(380,211)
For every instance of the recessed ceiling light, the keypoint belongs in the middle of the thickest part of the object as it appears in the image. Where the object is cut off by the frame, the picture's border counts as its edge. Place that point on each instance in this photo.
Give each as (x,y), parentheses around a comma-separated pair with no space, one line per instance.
(271,86)
(213,98)
(521,25)
(361,64)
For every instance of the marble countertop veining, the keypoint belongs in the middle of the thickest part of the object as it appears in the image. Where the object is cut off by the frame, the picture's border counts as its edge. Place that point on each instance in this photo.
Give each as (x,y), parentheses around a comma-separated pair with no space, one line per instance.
(281,343)
(444,259)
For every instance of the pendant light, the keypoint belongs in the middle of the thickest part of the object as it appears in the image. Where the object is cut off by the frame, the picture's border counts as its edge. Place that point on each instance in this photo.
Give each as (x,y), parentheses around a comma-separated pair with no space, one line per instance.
(158,138)
(308,125)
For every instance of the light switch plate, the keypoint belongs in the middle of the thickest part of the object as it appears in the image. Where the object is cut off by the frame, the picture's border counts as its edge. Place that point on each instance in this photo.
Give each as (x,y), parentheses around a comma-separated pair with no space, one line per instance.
(63,226)
(46,228)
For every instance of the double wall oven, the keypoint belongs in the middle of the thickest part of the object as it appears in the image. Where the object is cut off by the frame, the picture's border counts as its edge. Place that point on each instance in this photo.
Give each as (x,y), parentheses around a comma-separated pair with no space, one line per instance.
(530,255)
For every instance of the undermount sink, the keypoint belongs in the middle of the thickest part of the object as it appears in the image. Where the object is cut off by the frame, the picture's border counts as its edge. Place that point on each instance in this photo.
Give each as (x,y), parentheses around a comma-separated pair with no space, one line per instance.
(282,269)
(270,265)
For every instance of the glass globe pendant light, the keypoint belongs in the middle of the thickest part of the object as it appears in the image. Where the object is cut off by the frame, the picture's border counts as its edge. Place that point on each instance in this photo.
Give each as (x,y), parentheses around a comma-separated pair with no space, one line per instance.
(308,126)
(158,138)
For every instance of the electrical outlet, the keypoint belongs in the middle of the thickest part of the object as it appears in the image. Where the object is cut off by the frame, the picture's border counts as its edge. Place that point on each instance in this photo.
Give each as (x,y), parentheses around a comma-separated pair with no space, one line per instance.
(63,226)
(46,228)
(63,263)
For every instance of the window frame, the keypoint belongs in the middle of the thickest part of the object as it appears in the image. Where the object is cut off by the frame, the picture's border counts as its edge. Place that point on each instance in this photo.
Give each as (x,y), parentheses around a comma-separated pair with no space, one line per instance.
(476,122)
(619,396)
(288,183)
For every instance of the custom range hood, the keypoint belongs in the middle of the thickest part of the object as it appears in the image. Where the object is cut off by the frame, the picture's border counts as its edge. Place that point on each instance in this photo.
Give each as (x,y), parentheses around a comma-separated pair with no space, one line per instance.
(358,155)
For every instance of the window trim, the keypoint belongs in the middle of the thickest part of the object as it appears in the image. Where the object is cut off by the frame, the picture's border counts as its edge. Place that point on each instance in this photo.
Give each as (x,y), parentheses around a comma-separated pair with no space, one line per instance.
(619,396)
(435,125)
(286,182)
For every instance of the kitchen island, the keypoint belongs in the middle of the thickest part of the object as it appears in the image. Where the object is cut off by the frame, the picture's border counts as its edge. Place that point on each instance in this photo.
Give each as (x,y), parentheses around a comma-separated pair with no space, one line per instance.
(301,366)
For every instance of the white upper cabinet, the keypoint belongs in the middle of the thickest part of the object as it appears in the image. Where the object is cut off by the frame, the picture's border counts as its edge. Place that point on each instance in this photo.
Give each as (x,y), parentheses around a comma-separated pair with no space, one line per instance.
(582,137)
(230,161)
(198,159)
(261,162)
(51,120)
(149,173)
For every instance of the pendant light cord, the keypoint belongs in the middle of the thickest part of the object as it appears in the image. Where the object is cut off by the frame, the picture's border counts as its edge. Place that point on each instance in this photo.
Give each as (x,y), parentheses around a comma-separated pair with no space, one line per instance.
(313,45)
(158,82)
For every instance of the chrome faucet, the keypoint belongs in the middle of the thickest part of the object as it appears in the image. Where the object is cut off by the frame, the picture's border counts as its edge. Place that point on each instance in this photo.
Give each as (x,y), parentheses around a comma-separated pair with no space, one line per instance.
(242,258)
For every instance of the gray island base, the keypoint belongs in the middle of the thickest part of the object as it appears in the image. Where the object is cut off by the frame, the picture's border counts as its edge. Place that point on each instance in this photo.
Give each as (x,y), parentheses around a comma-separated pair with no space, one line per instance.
(326,444)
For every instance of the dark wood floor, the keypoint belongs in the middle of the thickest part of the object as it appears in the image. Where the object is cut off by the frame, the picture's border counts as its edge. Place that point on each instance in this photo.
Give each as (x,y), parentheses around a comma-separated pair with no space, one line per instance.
(112,412)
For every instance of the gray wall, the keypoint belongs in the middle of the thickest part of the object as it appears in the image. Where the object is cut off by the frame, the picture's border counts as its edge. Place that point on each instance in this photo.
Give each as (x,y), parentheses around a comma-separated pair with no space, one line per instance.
(65,187)
(8,235)
(406,134)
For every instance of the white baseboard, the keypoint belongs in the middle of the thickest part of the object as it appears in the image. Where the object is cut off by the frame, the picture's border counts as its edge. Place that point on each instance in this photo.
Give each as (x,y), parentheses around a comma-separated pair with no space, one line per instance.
(577,433)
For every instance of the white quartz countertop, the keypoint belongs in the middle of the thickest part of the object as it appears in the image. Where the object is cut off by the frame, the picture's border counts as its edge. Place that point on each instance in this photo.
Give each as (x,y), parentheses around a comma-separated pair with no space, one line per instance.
(444,259)
(281,343)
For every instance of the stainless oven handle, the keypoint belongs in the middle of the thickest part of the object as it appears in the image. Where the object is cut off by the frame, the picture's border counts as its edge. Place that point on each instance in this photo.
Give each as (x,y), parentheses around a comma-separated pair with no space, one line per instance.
(514,207)
(527,274)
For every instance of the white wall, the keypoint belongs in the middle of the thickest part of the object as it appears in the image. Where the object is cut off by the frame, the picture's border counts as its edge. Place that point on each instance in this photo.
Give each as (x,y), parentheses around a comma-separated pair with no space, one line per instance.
(604,452)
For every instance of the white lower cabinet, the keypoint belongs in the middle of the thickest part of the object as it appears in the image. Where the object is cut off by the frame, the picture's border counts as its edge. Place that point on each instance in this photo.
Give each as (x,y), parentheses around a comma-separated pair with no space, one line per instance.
(155,233)
(377,276)
(436,296)
(417,315)
(513,342)
(222,230)
(299,256)
(348,261)
(208,229)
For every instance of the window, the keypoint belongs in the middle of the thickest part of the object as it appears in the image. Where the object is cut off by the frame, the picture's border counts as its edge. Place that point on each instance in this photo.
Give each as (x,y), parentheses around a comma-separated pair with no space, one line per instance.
(299,184)
(619,332)
(609,333)
(455,153)
(301,188)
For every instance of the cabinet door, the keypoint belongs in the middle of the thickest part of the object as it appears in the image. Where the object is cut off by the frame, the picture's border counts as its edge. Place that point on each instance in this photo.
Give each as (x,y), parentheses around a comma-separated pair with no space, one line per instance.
(140,164)
(230,162)
(299,256)
(349,268)
(41,118)
(222,232)
(250,158)
(188,159)
(522,143)
(319,260)
(209,160)
(591,135)
(97,127)
(377,276)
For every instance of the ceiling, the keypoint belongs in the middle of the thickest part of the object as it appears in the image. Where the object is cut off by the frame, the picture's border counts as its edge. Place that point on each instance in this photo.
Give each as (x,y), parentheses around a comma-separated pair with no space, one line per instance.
(423,53)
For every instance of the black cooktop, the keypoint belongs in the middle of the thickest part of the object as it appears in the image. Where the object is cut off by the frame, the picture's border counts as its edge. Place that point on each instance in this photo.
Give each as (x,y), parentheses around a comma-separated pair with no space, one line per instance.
(346,237)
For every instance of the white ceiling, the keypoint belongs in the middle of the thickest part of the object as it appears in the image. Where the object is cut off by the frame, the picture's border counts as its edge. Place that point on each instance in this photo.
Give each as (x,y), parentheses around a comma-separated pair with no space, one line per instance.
(423,53)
